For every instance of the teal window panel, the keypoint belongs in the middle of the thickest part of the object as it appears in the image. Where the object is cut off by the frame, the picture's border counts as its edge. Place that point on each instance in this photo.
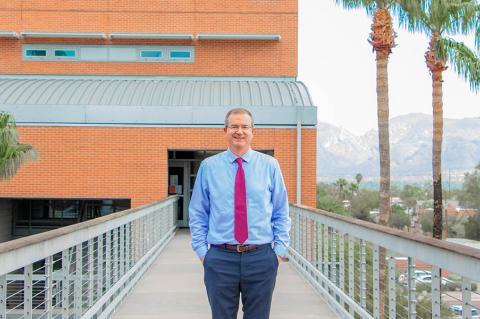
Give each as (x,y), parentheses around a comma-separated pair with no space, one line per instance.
(151,54)
(180,54)
(36,53)
(66,53)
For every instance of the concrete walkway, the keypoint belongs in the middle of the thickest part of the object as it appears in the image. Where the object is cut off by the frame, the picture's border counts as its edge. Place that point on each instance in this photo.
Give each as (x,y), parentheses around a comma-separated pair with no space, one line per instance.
(173,288)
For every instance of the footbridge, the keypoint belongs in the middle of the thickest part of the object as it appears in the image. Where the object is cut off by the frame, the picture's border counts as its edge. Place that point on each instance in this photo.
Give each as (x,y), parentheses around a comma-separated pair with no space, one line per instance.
(138,264)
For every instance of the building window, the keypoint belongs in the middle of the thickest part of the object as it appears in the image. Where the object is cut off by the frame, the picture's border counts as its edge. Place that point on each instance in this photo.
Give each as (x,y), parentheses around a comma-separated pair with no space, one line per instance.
(36,53)
(180,55)
(151,54)
(61,53)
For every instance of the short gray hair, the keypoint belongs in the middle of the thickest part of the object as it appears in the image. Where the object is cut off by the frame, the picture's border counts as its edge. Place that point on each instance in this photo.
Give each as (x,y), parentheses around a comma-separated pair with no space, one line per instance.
(238,110)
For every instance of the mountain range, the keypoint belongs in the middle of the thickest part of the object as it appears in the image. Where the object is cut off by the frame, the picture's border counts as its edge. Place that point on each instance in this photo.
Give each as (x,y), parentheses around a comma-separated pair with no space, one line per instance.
(343,154)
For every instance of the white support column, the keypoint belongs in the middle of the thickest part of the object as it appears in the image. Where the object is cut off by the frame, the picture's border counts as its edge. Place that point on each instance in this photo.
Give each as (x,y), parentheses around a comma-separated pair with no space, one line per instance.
(351,270)
(77,285)
(466,298)
(363,274)
(115,255)
(392,289)
(90,259)
(376,282)
(412,298)
(436,298)
(122,250)
(49,286)
(108,259)
(27,291)
(3,296)
(66,283)
(100,251)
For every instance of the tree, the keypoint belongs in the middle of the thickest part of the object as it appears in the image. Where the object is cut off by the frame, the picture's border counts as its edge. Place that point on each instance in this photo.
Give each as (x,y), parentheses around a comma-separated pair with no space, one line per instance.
(382,39)
(364,203)
(399,218)
(410,195)
(352,189)
(469,196)
(437,18)
(341,183)
(12,154)
(358,178)
(472,228)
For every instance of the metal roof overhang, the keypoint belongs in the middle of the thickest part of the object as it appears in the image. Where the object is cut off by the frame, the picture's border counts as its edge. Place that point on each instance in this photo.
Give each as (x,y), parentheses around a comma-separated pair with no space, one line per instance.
(64,35)
(140,35)
(9,34)
(143,101)
(238,36)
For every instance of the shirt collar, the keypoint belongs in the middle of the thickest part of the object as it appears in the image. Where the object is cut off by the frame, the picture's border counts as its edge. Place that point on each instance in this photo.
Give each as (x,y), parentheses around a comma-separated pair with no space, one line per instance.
(247,157)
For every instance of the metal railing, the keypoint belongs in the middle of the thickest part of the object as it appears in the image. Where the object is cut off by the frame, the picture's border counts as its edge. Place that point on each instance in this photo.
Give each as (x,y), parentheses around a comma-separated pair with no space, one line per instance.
(364,270)
(83,270)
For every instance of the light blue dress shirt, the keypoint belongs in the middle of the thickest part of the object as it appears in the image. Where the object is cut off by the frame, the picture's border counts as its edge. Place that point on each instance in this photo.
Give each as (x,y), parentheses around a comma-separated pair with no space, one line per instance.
(212,205)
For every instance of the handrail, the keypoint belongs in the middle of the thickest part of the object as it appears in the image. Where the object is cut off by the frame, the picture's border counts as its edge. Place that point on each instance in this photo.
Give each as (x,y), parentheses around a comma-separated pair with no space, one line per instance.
(355,265)
(85,269)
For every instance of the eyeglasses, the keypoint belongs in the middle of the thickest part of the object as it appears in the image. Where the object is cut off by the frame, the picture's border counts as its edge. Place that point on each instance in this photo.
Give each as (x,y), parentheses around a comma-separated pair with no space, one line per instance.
(237,127)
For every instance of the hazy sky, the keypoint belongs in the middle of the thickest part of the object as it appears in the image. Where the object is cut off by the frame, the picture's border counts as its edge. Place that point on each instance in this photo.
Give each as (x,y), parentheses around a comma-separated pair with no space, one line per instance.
(338,66)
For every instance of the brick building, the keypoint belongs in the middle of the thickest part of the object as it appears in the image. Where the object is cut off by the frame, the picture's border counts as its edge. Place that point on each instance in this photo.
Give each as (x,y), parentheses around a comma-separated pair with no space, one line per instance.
(123,99)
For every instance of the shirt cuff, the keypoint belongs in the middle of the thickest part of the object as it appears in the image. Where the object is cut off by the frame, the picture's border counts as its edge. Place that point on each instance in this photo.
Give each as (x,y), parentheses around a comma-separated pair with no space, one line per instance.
(202,251)
(280,249)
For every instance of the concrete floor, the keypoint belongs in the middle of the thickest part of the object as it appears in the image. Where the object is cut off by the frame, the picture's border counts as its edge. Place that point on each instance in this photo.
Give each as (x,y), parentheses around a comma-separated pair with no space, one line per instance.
(173,288)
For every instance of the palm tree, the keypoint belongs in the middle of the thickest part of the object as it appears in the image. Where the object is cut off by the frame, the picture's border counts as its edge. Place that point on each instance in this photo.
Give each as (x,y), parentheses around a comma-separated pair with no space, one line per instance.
(12,154)
(341,183)
(439,18)
(382,39)
(358,178)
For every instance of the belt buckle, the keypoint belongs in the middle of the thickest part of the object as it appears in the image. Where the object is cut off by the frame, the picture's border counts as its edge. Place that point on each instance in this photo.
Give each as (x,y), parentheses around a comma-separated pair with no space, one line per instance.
(238,248)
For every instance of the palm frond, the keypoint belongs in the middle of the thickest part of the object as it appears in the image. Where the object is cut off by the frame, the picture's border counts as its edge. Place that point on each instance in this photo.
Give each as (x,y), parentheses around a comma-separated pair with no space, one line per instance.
(368,5)
(14,157)
(12,154)
(463,60)
(412,15)
(463,16)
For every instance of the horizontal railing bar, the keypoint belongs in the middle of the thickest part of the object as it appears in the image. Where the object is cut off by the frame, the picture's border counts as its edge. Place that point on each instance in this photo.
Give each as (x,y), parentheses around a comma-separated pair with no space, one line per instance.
(457,258)
(23,251)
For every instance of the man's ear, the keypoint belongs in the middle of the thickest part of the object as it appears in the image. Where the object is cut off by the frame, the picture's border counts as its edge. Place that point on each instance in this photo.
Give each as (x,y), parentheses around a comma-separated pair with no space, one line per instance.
(224,129)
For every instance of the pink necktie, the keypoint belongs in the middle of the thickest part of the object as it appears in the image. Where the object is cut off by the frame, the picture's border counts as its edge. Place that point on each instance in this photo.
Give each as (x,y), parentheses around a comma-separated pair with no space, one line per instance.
(241,225)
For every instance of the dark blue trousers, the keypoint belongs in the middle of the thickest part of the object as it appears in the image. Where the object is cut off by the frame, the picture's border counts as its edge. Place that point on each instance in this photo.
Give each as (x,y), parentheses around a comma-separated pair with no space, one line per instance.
(251,275)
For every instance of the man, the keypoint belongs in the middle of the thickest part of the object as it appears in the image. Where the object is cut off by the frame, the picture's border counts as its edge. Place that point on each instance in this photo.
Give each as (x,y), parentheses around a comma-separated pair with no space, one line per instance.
(239,208)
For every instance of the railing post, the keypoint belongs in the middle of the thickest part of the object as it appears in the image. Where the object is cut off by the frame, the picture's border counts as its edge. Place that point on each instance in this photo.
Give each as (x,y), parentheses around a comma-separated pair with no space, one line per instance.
(341,252)
(392,289)
(436,299)
(27,291)
(412,298)
(319,246)
(77,285)
(100,251)
(363,274)
(376,281)
(65,283)
(128,250)
(351,270)
(122,250)
(325,252)
(90,273)
(466,298)
(3,296)
(115,255)
(48,286)
(334,255)
(108,259)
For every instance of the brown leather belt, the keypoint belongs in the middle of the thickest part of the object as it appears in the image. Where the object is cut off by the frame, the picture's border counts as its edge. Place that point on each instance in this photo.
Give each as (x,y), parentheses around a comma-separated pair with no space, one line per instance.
(239,248)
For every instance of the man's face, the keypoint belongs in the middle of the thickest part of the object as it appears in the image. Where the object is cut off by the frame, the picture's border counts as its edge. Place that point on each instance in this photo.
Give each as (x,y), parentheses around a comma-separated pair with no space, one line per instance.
(239,132)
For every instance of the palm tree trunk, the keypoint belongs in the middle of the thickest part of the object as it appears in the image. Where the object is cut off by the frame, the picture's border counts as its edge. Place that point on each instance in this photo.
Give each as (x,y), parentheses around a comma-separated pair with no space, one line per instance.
(382,39)
(436,67)
(437,153)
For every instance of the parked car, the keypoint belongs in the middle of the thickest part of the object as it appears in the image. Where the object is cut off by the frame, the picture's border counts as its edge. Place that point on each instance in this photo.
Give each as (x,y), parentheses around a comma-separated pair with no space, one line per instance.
(403,278)
(458,310)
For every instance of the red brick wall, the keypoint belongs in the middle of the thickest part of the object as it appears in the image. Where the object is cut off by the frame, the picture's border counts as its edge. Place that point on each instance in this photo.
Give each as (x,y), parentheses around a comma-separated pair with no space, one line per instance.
(215,58)
(100,162)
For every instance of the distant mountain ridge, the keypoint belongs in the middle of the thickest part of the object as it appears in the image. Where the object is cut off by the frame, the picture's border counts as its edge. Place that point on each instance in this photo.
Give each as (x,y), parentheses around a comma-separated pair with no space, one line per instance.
(343,154)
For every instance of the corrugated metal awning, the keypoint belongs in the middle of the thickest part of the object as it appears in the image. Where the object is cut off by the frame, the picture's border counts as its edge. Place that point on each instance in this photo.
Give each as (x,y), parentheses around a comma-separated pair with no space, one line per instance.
(238,36)
(141,35)
(59,98)
(8,34)
(63,35)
